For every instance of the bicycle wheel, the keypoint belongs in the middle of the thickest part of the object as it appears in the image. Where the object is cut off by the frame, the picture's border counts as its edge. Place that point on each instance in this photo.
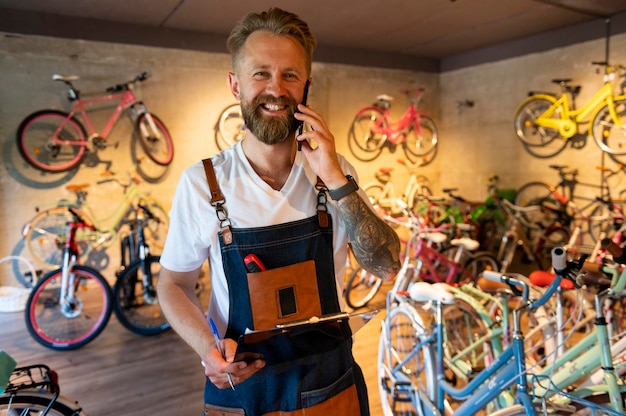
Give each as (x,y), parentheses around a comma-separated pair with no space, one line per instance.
(135,303)
(51,141)
(155,229)
(156,142)
(538,140)
(404,375)
(230,127)
(610,133)
(72,326)
(601,222)
(364,139)
(479,262)
(421,138)
(45,236)
(361,288)
(539,194)
(33,403)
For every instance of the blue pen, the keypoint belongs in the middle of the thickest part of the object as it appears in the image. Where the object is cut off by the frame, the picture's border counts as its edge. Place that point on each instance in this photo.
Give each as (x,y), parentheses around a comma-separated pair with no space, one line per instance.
(219,348)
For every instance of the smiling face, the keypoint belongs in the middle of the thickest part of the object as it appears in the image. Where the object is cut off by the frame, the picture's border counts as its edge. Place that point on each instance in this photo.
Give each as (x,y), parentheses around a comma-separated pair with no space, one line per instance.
(270,79)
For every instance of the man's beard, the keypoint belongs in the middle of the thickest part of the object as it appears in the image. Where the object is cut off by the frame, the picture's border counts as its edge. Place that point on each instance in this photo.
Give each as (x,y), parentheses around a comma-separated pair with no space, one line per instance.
(269,129)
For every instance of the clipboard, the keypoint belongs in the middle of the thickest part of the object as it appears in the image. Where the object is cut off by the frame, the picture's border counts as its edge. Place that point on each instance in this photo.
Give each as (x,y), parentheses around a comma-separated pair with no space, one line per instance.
(299,338)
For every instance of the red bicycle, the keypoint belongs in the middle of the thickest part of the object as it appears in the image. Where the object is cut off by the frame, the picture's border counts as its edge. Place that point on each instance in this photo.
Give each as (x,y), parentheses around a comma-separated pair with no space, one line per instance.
(55,141)
(373,129)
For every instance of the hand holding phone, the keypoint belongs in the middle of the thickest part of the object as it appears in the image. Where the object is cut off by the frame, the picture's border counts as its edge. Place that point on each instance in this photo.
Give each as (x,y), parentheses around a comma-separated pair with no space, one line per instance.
(301,123)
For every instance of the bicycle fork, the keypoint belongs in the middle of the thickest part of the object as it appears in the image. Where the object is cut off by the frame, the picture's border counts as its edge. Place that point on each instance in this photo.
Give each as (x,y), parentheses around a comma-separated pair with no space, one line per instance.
(139,109)
(71,306)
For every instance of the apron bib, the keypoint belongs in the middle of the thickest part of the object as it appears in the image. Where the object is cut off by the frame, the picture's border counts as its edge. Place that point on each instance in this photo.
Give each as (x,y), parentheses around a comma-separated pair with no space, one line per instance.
(309,371)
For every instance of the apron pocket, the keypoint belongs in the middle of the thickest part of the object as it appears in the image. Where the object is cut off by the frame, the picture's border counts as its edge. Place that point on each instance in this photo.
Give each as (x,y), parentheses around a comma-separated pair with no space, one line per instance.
(284,294)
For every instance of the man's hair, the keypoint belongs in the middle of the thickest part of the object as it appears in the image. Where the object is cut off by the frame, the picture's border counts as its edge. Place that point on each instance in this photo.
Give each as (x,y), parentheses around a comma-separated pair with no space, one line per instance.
(276,21)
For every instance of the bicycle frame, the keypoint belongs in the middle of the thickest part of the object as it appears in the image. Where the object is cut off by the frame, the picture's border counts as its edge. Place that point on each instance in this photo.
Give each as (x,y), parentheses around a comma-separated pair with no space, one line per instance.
(126,99)
(570,118)
(395,131)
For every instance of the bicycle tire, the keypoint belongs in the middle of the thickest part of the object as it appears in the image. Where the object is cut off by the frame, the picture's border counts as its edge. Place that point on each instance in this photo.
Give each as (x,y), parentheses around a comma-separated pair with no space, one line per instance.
(51,327)
(608,133)
(34,136)
(478,263)
(538,194)
(159,148)
(33,403)
(136,311)
(363,141)
(375,193)
(46,233)
(421,138)
(418,377)
(525,118)
(601,222)
(230,127)
(361,288)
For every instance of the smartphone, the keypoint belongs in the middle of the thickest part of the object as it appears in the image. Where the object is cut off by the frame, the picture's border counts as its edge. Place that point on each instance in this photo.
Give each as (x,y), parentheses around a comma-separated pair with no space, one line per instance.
(253,264)
(304,98)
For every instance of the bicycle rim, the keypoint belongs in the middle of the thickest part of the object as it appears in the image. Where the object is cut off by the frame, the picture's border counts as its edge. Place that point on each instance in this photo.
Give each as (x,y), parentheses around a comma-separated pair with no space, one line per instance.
(526,127)
(361,288)
(363,140)
(38,147)
(421,138)
(88,314)
(610,134)
(46,235)
(33,403)
(400,389)
(157,142)
(137,306)
(230,127)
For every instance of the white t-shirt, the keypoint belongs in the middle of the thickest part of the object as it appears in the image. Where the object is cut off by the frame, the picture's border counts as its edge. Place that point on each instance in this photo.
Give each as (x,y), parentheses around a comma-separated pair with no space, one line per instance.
(250,202)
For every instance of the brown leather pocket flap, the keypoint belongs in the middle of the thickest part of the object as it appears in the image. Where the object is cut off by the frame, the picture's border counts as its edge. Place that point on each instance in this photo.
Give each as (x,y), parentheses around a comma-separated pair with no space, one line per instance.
(284,294)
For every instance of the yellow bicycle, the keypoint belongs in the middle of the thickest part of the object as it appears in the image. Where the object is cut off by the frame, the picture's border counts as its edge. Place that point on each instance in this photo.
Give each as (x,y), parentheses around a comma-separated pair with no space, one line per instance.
(545,123)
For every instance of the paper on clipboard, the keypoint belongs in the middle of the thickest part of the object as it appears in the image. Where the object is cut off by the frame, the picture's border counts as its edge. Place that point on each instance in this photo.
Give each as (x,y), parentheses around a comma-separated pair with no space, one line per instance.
(287,333)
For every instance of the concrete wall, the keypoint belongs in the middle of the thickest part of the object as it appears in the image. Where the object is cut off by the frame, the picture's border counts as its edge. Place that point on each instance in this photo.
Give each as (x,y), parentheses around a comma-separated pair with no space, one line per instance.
(189,89)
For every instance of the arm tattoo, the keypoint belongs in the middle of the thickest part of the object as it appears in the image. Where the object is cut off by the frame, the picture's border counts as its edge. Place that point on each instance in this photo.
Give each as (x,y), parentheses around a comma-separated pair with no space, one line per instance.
(374,243)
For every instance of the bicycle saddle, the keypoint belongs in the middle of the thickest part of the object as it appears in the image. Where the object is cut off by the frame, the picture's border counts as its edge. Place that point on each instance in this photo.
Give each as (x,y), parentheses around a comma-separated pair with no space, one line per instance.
(65,78)
(426,292)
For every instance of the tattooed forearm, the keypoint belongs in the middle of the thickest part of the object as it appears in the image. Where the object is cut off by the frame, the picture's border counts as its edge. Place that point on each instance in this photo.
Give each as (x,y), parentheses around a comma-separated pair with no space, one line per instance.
(374,243)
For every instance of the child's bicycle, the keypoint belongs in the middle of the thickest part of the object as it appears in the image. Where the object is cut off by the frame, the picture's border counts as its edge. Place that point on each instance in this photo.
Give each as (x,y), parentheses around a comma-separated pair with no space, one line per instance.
(56,141)
(373,128)
(32,390)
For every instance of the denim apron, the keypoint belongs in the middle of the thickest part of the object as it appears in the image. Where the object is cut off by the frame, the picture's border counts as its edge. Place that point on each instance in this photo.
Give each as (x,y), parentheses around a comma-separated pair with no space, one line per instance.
(309,371)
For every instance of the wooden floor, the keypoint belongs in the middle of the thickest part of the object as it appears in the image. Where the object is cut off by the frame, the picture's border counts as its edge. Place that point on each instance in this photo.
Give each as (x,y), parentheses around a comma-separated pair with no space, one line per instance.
(121,373)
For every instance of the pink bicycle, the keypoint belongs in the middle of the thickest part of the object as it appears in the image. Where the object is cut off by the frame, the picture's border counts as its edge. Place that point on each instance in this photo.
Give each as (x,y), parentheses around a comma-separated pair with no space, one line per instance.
(56,141)
(373,129)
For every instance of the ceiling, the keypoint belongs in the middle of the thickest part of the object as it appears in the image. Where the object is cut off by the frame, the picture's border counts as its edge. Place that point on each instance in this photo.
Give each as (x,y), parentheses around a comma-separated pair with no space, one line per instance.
(391,32)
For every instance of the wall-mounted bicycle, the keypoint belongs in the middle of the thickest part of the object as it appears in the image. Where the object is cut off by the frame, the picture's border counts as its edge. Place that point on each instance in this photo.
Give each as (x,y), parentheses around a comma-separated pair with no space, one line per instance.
(373,129)
(545,123)
(56,141)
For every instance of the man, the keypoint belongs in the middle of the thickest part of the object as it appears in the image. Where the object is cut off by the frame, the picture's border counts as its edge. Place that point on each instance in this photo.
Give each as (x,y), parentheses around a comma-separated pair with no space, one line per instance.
(276,246)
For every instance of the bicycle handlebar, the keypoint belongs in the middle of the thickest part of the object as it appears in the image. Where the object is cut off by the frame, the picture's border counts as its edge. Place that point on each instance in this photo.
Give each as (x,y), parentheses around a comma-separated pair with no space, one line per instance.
(616,251)
(125,86)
